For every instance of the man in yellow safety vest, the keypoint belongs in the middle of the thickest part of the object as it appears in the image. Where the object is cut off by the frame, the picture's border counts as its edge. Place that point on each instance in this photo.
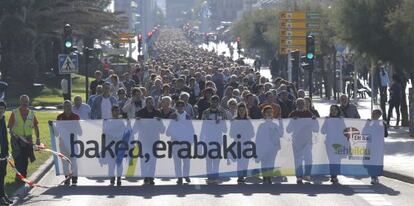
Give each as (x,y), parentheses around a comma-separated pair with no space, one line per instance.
(21,123)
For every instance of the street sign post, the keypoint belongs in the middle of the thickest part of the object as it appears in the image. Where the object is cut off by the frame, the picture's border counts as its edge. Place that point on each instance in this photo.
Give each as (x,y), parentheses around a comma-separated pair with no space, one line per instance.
(293,29)
(68,63)
(292,32)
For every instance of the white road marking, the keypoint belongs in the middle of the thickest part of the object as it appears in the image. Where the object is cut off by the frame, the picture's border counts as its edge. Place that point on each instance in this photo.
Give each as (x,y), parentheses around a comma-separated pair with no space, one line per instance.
(365,192)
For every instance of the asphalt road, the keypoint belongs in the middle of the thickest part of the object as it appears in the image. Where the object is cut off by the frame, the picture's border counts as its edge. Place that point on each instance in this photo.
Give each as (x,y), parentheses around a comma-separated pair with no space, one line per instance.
(351,192)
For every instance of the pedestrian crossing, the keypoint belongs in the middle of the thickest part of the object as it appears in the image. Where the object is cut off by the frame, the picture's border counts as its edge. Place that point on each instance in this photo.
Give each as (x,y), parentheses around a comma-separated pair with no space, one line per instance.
(365,191)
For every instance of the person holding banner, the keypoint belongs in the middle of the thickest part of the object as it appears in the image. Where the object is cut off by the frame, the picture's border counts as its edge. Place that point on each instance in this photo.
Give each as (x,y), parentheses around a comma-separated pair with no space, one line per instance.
(376,115)
(302,140)
(181,130)
(347,109)
(4,153)
(116,114)
(213,132)
(148,112)
(329,128)
(268,142)
(66,116)
(242,131)
(22,121)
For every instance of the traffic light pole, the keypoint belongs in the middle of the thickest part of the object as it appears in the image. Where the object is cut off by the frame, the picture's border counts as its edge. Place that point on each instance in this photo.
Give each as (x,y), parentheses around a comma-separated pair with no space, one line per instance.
(310,79)
(68,44)
(310,57)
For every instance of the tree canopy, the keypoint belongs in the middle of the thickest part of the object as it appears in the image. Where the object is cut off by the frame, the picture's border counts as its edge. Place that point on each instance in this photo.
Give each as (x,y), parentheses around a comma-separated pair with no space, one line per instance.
(30,31)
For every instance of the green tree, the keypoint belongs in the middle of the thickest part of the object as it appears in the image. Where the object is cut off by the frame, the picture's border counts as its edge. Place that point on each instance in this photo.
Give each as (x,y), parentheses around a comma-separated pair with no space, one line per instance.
(376,28)
(259,30)
(30,32)
(401,28)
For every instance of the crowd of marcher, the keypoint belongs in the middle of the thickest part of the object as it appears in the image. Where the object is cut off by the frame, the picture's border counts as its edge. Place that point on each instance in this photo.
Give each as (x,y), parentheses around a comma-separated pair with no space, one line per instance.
(180,81)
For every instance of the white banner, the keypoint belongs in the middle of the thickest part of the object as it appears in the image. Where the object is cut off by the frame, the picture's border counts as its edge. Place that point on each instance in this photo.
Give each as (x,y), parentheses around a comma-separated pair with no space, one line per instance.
(169,148)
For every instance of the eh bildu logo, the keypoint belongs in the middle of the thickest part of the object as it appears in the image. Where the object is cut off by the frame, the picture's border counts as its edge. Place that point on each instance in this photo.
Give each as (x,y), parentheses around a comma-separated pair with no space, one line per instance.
(356,152)
(355,135)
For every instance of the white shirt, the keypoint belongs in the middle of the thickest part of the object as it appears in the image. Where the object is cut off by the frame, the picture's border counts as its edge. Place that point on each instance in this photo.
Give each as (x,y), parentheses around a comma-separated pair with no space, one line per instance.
(64,85)
(106,108)
(182,116)
(84,111)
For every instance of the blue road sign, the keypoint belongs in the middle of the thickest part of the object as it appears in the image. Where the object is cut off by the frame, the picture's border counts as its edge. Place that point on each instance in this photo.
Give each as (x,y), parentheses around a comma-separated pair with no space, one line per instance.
(68,63)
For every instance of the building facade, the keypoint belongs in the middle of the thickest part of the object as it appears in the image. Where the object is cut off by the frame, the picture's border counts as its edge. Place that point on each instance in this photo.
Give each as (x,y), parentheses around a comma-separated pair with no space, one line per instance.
(178,11)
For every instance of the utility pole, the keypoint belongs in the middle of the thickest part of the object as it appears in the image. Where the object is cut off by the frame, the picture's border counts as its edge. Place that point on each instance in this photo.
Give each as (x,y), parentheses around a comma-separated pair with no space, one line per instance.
(87,52)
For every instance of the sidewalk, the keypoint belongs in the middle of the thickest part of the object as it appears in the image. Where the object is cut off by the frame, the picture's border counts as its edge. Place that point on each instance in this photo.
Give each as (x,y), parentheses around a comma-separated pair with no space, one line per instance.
(399,155)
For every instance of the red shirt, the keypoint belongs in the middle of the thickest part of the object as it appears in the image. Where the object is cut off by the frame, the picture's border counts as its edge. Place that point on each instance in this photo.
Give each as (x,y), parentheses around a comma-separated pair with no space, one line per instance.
(71,116)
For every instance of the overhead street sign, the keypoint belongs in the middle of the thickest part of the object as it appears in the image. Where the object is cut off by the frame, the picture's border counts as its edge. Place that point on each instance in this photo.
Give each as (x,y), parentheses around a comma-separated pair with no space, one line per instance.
(293,15)
(313,15)
(125,41)
(125,38)
(293,42)
(68,64)
(287,50)
(293,29)
(293,33)
(293,25)
(126,35)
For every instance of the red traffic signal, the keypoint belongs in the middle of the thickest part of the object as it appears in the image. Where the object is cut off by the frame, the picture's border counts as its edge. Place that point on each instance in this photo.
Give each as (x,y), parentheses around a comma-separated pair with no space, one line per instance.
(238,39)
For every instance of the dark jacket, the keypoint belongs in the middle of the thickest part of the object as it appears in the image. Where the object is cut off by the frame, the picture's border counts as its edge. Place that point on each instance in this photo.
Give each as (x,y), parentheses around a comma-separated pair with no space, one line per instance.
(395,93)
(4,143)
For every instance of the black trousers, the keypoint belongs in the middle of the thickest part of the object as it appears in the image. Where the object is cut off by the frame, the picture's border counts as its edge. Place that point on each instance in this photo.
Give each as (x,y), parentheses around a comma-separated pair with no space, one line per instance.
(3,167)
(393,105)
(22,161)
(383,102)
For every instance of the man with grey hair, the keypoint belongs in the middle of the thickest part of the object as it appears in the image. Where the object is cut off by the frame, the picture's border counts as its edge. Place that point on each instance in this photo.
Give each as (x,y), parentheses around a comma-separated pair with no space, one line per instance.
(102,104)
(21,123)
(81,109)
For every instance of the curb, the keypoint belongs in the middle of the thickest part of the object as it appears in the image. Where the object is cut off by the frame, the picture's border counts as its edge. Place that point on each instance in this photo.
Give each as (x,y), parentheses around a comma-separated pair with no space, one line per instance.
(398,176)
(23,191)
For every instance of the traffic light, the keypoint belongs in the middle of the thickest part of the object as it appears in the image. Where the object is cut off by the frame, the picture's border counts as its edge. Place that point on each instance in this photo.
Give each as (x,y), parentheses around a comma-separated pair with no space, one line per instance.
(295,60)
(67,38)
(139,43)
(310,47)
